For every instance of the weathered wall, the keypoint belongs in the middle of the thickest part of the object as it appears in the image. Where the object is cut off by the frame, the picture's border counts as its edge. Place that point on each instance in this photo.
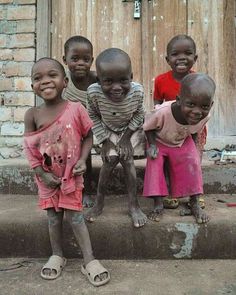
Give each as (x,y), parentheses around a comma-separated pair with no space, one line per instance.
(17,55)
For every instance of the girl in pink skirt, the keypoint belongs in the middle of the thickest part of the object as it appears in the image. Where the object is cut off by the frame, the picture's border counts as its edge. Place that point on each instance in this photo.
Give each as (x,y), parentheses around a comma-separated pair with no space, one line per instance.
(171,131)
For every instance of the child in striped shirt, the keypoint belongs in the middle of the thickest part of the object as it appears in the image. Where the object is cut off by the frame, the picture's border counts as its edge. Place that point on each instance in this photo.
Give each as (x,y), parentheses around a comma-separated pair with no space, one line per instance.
(115,104)
(78,57)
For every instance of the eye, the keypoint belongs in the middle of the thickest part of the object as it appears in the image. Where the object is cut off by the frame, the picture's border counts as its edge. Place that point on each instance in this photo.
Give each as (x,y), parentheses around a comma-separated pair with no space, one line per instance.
(107,82)
(205,107)
(36,78)
(124,80)
(74,58)
(188,52)
(53,75)
(189,104)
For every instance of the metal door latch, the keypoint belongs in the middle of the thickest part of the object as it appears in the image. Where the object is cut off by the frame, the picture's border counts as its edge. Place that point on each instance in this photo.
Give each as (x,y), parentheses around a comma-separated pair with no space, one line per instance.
(137,9)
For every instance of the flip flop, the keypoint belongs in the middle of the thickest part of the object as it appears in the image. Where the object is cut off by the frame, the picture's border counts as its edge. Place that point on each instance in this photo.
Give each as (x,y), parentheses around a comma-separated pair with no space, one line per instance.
(93,269)
(55,263)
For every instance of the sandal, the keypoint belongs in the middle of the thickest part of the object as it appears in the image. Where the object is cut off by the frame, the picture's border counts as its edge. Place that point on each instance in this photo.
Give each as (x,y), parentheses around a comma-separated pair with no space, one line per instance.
(170,203)
(93,269)
(55,264)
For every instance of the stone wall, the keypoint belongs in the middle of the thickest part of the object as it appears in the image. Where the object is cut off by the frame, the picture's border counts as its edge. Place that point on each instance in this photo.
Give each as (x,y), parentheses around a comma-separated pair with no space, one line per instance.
(17,55)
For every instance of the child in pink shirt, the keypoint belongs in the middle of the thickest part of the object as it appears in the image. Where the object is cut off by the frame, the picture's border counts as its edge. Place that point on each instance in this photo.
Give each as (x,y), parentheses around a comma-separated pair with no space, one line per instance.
(57,141)
(169,130)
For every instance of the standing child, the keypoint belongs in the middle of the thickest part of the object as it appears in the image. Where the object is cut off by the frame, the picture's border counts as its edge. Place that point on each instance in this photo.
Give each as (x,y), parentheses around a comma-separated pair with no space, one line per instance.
(78,56)
(181,56)
(115,105)
(168,129)
(57,141)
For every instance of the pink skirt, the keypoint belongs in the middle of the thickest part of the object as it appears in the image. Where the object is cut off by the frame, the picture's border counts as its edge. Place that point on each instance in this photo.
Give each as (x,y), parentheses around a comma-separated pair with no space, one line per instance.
(184,167)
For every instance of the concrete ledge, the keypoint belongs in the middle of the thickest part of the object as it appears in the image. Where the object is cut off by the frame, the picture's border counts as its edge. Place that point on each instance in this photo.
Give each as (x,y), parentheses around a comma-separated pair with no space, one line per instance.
(17,178)
(24,232)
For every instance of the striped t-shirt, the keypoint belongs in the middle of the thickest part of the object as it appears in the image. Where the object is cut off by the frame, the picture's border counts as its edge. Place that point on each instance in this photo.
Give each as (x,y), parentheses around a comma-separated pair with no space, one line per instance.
(74,94)
(109,116)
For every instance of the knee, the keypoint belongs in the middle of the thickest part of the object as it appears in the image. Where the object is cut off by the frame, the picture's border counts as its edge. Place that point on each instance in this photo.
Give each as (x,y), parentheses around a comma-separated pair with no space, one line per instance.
(75,218)
(54,219)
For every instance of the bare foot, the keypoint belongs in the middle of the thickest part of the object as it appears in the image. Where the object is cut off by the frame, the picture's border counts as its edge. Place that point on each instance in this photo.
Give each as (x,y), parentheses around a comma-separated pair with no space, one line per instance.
(199,214)
(138,217)
(156,214)
(87,201)
(92,214)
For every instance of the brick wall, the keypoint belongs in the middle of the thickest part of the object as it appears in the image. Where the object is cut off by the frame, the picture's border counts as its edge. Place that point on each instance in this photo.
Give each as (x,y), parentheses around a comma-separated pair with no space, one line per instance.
(17,55)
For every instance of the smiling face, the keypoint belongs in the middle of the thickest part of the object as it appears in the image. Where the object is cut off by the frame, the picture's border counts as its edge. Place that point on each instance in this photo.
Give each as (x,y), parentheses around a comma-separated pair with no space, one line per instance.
(115,78)
(48,79)
(181,56)
(79,59)
(195,103)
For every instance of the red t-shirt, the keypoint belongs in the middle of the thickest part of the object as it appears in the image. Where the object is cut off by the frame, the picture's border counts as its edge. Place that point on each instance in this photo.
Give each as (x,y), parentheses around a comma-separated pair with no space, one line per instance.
(166,88)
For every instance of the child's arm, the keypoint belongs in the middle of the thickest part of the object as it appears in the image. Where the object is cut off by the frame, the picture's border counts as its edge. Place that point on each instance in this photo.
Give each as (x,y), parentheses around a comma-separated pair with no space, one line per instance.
(98,129)
(86,147)
(48,178)
(124,147)
(152,150)
(29,121)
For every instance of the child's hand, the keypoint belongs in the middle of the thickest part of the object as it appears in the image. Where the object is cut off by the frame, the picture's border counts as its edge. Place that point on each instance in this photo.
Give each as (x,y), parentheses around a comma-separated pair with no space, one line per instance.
(152,151)
(50,180)
(79,168)
(105,150)
(125,149)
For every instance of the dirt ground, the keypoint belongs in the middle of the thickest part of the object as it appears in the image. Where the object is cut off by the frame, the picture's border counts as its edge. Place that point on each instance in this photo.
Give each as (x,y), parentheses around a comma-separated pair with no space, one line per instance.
(149,277)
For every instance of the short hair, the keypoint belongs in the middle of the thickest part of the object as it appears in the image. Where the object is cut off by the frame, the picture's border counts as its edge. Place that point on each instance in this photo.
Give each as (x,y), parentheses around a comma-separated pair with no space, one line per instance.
(77,39)
(191,83)
(180,37)
(111,54)
(53,60)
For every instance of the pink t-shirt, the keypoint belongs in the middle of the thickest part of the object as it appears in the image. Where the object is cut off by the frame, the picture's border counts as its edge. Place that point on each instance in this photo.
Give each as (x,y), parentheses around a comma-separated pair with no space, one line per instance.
(169,131)
(57,148)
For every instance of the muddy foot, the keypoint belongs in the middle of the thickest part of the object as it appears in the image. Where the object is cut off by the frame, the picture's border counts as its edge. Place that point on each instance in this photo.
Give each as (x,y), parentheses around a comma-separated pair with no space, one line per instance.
(138,217)
(155,215)
(199,214)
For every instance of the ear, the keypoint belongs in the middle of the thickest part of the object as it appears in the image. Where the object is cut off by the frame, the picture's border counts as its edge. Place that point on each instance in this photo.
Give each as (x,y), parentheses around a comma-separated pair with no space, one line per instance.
(195,58)
(131,76)
(92,60)
(212,103)
(167,59)
(64,60)
(98,81)
(66,80)
(178,100)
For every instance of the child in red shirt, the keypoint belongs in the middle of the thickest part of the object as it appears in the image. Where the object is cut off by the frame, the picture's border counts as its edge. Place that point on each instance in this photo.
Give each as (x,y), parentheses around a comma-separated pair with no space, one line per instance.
(181,56)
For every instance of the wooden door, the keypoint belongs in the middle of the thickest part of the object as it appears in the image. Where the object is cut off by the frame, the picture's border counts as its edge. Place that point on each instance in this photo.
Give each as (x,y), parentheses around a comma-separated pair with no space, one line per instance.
(111,23)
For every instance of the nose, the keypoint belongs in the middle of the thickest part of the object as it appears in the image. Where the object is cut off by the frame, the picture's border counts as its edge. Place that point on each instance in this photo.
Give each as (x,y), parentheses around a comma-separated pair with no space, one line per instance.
(181,56)
(80,61)
(116,86)
(45,80)
(197,111)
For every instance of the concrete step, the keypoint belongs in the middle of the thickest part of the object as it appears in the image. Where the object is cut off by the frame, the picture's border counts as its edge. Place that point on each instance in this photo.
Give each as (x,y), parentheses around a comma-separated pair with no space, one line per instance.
(150,277)
(23,231)
(17,178)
